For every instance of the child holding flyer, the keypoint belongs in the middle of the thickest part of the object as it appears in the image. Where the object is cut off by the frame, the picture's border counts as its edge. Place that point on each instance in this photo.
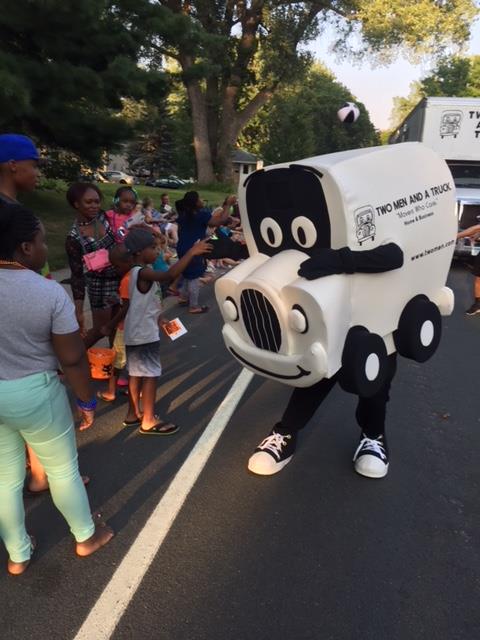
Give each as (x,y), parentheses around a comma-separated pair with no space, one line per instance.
(141,334)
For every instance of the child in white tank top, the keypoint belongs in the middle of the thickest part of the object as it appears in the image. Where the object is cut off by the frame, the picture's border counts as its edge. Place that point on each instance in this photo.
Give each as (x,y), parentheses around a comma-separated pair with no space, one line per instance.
(141,333)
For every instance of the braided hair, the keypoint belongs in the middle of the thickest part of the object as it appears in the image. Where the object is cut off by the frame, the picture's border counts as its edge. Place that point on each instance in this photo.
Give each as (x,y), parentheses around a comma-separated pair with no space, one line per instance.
(17,225)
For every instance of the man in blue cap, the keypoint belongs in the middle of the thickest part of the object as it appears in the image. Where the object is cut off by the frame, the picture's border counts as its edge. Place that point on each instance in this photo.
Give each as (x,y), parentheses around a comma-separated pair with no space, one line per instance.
(18,166)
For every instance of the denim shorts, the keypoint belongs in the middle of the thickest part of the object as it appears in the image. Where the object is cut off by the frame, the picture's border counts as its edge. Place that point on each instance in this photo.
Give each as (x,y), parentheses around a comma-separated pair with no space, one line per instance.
(143,360)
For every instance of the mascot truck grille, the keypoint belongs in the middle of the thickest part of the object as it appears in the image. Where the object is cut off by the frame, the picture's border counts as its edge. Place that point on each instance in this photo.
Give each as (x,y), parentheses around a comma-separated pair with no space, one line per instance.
(349,254)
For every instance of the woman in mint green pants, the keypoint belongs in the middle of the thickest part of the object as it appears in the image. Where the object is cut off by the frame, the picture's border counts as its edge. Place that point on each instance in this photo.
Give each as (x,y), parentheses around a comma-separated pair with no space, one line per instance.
(38,329)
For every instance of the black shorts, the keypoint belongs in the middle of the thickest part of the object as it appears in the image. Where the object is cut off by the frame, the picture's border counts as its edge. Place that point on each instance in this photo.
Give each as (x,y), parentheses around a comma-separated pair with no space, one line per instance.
(476,266)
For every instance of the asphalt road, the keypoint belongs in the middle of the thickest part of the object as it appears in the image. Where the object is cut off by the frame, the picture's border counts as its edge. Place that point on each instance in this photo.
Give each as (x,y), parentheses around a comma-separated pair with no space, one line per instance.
(315,552)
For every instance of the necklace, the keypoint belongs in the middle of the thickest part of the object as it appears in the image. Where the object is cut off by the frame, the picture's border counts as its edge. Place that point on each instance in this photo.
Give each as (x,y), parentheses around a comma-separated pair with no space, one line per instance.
(13,263)
(87,223)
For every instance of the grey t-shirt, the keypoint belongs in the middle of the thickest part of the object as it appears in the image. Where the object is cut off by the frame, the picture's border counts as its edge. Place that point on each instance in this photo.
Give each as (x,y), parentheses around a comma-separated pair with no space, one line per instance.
(33,308)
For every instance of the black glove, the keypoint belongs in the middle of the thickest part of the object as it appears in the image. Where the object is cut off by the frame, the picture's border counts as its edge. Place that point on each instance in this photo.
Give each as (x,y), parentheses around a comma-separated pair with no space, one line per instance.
(326,262)
(226,248)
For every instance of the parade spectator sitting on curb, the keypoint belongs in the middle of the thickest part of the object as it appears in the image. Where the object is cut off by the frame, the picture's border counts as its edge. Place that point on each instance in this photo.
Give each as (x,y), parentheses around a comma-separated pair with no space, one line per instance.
(91,234)
(151,214)
(166,209)
(122,260)
(38,329)
(474,234)
(141,333)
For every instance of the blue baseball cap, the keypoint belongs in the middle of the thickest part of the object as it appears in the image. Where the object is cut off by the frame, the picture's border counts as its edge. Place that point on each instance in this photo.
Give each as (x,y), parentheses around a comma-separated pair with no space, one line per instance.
(13,146)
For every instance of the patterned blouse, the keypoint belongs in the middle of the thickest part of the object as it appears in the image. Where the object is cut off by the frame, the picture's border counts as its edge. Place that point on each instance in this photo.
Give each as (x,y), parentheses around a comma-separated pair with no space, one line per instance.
(76,249)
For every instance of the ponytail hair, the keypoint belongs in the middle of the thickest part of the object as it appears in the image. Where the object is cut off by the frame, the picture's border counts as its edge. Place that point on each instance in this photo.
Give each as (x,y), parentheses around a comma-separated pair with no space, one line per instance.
(17,225)
(190,200)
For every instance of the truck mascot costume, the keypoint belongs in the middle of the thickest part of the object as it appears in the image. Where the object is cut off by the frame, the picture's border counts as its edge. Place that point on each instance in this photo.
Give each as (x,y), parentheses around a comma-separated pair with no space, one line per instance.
(349,255)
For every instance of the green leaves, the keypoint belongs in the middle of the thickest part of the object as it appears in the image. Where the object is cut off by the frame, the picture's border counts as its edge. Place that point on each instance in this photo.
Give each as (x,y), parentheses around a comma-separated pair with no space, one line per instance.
(69,64)
(301,121)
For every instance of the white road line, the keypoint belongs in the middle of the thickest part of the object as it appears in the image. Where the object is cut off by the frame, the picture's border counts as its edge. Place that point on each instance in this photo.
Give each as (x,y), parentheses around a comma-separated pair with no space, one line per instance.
(109,608)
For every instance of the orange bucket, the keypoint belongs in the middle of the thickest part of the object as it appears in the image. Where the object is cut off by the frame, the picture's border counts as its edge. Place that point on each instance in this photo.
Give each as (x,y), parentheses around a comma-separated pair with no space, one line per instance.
(101,362)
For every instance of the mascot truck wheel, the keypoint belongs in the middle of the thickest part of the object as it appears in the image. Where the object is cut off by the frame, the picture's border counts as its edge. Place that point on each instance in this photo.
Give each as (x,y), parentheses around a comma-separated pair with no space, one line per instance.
(364,363)
(419,329)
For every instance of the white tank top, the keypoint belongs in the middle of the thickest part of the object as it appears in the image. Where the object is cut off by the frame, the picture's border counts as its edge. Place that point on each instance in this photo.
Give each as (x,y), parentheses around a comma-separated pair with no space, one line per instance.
(141,321)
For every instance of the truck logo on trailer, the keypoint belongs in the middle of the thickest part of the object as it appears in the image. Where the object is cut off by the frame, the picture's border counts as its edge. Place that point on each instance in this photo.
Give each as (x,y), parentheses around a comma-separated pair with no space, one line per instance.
(365,224)
(450,123)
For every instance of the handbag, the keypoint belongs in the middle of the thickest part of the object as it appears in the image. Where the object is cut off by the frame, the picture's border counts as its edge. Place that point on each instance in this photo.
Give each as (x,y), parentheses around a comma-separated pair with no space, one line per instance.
(94,260)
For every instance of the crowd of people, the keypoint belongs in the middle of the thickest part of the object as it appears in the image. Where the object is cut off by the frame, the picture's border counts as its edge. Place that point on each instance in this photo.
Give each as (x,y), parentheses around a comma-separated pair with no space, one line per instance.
(126,258)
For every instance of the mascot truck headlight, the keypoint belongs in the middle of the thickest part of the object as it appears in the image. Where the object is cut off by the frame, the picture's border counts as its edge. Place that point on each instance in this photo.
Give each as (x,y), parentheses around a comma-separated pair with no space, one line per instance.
(297,319)
(349,255)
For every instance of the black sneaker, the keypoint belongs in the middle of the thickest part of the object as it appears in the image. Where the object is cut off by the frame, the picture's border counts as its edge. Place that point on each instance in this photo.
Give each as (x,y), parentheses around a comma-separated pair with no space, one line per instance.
(474,309)
(272,454)
(371,457)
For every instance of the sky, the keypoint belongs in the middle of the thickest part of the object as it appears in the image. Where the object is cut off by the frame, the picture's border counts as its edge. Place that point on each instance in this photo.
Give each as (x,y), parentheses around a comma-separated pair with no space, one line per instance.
(377,86)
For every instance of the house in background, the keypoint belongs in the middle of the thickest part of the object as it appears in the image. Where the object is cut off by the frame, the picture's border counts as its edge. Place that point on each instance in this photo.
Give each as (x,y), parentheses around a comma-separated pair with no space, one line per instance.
(244,163)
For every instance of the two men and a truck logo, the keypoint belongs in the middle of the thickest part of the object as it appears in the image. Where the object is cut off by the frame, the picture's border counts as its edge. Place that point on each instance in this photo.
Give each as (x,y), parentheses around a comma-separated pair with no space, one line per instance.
(450,123)
(365,224)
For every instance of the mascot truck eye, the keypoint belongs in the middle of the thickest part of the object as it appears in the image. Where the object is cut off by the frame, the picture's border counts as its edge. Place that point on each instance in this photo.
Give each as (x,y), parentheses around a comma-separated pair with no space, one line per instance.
(304,232)
(371,284)
(271,232)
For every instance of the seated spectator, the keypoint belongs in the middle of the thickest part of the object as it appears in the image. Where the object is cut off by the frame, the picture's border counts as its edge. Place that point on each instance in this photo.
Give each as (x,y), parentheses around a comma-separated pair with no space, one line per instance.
(151,214)
(166,209)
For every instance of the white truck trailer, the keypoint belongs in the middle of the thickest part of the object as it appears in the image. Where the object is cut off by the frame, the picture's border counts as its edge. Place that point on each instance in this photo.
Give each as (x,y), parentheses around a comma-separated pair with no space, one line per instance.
(451,127)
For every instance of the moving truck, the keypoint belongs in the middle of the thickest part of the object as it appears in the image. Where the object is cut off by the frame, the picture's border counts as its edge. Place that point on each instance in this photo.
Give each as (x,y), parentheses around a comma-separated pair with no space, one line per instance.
(451,127)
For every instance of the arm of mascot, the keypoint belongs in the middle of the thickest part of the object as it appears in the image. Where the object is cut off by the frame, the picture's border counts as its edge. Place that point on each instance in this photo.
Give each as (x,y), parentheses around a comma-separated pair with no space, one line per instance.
(226,248)
(326,262)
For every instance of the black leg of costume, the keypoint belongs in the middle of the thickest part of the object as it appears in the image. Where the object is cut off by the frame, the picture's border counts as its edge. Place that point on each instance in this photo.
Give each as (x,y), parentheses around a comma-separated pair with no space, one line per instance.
(371,412)
(304,402)
(302,405)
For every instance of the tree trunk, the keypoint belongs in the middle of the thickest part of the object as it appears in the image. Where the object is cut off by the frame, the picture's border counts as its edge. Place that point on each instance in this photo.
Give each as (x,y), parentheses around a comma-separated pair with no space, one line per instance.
(201,142)
(231,126)
(228,135)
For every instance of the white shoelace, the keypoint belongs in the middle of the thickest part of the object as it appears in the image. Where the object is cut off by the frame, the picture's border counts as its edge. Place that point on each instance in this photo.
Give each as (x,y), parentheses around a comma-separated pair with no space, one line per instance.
(274,443)
(375,446)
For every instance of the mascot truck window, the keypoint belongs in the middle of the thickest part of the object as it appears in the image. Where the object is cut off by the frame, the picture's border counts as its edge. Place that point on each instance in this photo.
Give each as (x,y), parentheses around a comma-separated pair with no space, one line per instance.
(349,254)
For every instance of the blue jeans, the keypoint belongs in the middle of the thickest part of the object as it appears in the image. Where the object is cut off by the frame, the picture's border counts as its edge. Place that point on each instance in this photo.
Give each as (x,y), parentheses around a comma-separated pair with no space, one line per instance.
(35,410)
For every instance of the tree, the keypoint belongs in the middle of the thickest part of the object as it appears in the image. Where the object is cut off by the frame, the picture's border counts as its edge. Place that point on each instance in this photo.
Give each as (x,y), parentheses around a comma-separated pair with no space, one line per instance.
(301,121)
(65,67)
(452,76)
(235,54)
(152,147)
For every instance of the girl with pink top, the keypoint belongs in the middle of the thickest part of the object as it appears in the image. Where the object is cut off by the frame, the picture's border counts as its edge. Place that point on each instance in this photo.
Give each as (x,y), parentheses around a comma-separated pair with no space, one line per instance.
(123,215)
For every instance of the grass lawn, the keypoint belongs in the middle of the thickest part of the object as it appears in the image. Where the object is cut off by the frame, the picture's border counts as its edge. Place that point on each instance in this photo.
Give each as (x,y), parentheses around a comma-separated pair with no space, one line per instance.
(57,216)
